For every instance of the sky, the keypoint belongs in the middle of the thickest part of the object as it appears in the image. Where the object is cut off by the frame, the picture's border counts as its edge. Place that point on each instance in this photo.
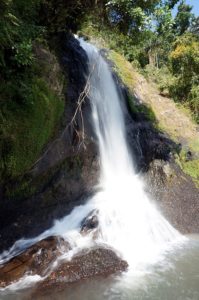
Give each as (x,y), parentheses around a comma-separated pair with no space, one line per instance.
(194,3)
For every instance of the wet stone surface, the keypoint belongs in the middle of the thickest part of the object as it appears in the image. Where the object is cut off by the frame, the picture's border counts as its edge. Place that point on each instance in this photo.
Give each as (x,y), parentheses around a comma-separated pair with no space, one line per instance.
(90,223)
(35,260)
(87,264)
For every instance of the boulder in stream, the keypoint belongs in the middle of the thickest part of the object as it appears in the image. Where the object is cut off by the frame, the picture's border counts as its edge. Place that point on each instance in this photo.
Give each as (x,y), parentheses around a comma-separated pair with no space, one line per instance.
(34,260)
(89,263)
(90,224)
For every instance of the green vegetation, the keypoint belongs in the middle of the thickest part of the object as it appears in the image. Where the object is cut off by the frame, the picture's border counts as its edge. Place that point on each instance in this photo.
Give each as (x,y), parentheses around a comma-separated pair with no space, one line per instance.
(26,131)
(162,77)
(124,70)
(165,48)
(30,107)
(189,166)
(184,61)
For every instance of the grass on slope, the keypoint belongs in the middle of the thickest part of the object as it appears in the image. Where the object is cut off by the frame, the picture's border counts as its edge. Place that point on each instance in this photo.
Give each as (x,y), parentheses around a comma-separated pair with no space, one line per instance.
(124,71)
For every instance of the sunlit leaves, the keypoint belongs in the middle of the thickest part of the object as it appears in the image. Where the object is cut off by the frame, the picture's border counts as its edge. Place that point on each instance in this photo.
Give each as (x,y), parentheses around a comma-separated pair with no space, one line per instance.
(183,18)
(133,15)
(184,61)
(23,53)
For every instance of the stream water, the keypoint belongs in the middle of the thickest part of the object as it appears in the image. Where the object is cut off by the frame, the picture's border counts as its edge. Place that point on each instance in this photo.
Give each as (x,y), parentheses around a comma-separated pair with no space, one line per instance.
(163,264)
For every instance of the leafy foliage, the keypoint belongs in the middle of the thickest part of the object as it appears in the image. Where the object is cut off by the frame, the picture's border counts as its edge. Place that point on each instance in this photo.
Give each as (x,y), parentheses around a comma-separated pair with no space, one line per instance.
(18,29)
(195,26)
(193,100)
(185,67)
(183,18)
(130,16)
(29,109)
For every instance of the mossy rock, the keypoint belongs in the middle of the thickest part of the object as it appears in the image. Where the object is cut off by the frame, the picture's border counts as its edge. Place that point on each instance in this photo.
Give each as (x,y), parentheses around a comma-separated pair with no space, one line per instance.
(189,165)
(27,125)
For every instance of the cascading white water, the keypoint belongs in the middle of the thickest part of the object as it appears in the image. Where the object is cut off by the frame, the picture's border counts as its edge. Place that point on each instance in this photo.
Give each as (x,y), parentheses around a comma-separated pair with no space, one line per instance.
(128,220)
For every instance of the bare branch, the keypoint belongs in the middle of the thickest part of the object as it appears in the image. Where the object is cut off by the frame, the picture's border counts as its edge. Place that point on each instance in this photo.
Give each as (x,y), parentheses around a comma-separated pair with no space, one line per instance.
(80,102)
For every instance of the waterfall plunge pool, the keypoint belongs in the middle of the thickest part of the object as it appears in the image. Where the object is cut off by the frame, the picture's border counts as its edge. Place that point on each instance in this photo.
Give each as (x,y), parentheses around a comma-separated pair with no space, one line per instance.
(174,278)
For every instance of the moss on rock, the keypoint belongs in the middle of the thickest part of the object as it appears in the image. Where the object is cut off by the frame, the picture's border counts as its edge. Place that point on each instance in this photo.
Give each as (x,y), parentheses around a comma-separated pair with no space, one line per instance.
(28,124)
(189,165)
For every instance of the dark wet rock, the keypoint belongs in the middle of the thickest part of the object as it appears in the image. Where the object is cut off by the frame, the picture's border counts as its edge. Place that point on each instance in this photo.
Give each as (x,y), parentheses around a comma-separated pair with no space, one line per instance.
(90,223)
(87,264)
(35,260)
(147,145)
(65,174)
(175,193)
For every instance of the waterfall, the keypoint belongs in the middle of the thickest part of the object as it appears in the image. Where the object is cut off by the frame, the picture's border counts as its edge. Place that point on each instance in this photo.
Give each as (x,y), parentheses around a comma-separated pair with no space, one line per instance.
(128,220)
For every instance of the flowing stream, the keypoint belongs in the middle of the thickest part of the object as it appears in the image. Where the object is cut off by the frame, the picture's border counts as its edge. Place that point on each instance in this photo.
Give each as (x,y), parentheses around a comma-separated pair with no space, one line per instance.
(129,221)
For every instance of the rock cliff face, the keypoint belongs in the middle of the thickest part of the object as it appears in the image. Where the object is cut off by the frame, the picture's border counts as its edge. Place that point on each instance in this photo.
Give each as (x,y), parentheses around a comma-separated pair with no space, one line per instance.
(66,173)
(175,193)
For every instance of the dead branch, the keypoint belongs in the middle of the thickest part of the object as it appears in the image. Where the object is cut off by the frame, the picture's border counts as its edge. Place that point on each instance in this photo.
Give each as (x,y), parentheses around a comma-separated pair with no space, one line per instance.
(80,102)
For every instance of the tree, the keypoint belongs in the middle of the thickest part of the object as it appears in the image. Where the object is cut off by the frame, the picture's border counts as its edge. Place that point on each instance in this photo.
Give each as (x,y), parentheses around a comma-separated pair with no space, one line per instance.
(183,18)
(171,3)
(184,62)
(131,16)
(162,35)
(195,26)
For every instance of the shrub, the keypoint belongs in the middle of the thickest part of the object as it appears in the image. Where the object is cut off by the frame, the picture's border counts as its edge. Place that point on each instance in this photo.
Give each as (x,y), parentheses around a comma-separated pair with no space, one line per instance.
(194,101)
(161,76)
(184,63)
